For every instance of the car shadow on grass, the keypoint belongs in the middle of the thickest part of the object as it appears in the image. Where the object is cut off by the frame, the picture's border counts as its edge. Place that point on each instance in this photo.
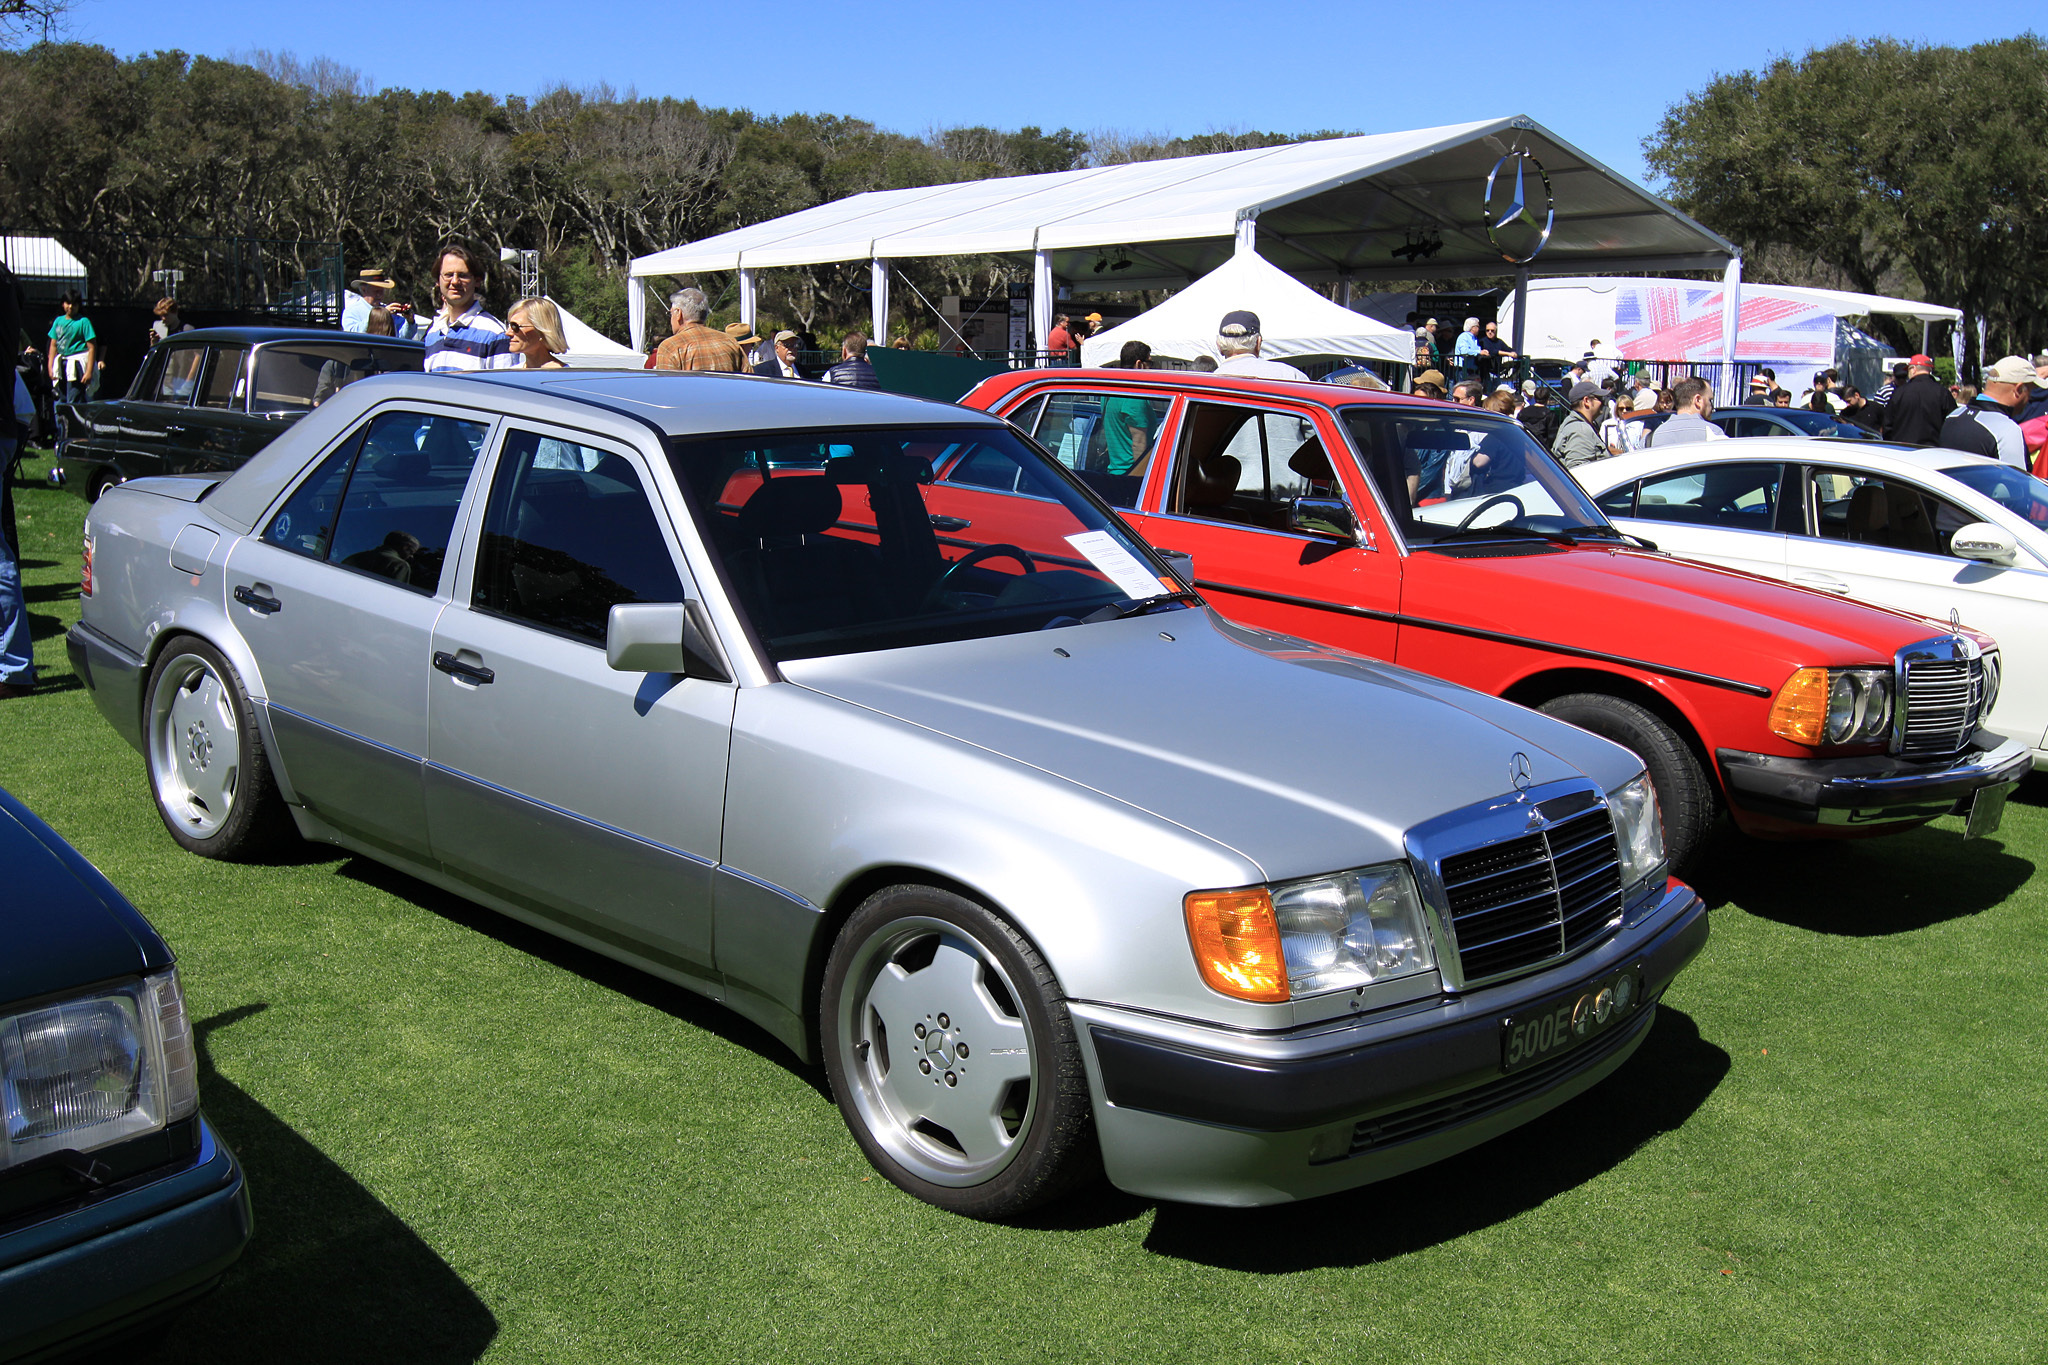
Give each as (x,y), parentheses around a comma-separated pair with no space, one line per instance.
(1860,888)
(331,1274)
(1659,1088)
(678,1002)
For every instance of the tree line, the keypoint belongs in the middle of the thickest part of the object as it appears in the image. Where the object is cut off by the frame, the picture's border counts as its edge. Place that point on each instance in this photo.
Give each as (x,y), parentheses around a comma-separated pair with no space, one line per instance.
(95,147)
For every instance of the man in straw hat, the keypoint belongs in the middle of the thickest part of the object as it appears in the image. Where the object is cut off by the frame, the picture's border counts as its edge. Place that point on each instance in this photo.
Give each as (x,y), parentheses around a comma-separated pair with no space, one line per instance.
(367,291)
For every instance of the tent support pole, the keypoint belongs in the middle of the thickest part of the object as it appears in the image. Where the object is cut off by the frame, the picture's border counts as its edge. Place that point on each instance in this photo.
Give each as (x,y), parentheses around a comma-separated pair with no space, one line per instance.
(1521,319)
(1041,298)
(1248,236)
(1344,290)
(878,276)
(749,299)
(636,309)
(1731,316)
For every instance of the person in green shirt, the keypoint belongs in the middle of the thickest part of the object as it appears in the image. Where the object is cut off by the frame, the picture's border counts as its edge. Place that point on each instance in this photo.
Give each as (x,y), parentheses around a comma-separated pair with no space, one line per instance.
(1127,422)
(74,358)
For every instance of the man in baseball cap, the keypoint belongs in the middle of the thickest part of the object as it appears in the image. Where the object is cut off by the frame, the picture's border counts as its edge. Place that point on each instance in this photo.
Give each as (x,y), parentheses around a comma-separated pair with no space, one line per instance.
(1988,425)
(1578,436)
(1917,407)
(1238,343)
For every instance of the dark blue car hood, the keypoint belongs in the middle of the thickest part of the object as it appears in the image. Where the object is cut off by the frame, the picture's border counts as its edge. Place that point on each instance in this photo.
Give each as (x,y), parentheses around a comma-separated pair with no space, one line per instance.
(62,924)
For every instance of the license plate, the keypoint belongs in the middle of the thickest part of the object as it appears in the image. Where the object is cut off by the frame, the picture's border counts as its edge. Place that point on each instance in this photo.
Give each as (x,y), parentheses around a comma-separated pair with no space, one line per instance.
(1566,1021)
(1987,809)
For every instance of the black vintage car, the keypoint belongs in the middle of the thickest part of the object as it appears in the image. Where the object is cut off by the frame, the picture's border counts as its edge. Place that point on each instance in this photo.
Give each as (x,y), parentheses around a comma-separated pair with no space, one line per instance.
(207,400)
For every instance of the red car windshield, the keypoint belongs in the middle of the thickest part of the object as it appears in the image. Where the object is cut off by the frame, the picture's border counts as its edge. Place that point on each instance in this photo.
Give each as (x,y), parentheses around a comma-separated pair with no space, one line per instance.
(841,542)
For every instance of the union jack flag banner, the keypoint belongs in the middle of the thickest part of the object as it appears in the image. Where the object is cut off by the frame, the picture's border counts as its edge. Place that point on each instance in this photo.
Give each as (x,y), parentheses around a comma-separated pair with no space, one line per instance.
(1677,321)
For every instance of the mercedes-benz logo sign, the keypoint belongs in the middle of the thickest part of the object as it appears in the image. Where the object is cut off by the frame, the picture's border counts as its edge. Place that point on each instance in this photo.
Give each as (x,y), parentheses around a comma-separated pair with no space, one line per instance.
(1516,223)
(1518,771)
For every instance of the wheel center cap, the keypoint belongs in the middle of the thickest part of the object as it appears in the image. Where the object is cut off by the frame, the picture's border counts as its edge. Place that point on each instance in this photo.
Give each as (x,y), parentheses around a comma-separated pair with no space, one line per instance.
(938,1045)
(198,746)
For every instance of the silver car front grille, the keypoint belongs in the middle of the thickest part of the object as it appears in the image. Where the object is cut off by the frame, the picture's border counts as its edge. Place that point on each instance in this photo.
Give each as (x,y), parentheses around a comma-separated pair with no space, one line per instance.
(1942,694)
(1521,882)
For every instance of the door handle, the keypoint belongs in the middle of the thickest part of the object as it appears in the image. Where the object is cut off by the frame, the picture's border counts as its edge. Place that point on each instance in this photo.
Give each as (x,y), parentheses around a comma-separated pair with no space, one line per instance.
(1821,581)
(256,601)
(455,668)
(941,522)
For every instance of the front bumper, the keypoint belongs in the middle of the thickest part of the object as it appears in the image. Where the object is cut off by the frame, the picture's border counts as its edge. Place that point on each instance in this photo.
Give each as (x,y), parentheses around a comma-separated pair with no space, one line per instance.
(118,1260)
(113,674)
(1240,1120)
(1871,790)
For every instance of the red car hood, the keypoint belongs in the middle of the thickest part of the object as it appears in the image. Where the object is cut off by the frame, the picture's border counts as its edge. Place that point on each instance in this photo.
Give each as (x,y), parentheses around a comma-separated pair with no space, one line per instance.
(1656,609)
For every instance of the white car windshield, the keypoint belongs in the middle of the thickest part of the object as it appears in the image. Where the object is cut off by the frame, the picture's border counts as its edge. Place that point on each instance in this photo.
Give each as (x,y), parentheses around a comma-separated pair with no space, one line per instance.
(841,542)
(1449,475)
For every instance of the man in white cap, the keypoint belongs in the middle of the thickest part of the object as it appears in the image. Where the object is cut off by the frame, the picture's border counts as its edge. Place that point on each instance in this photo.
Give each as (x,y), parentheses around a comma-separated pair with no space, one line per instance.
(1988,425)
(1238,342)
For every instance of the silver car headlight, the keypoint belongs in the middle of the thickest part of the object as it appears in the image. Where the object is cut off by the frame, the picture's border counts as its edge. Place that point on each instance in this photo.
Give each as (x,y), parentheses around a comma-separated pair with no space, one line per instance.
(1638,835)
(95,1069)
(1276,943)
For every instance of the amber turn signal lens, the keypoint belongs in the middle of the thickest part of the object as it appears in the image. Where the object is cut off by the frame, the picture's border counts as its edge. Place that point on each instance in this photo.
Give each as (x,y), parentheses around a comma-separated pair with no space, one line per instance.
(1800,711)
(1237,943)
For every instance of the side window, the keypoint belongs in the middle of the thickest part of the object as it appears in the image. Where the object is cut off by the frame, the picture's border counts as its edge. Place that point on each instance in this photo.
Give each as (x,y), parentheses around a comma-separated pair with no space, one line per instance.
(1243,465)
(1106,438)
(1741,496)
(1619,502)
(1864,510)
(1026,417)
(1754,426)
(384,502)
(180,378)
(224,381)
(568,535)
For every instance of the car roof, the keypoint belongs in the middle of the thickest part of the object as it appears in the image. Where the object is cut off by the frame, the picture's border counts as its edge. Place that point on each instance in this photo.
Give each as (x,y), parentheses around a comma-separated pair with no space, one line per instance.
(695,404)
(1601,475)
(254,336)
(1195,381)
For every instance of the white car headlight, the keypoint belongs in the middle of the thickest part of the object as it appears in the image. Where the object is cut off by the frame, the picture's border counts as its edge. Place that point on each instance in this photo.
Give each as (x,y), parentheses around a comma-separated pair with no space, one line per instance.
(1351,929)
(95,1069)
(1638,834)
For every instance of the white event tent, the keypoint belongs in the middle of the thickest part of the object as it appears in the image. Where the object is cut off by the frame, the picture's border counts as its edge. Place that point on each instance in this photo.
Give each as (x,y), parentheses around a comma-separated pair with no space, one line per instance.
(1294,320)
(590,349)
(1432,203)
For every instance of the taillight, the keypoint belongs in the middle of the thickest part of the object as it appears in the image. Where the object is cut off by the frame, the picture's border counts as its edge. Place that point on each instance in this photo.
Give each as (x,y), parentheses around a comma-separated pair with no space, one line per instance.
(85,569)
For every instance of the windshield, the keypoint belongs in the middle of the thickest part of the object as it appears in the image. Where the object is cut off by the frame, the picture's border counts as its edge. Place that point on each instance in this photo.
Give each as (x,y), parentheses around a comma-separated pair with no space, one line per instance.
(1457,474)
(842,542)
(2015,490)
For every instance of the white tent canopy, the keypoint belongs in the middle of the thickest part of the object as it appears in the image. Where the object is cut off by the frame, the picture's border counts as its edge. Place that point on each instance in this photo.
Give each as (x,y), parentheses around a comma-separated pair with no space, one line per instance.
(1294,320)
(590,349)
(1650,319)
(1409,205)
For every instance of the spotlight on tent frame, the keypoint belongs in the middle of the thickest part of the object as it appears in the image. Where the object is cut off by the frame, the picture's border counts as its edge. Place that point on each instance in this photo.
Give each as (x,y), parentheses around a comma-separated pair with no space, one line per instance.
(1123,261)
(1101,263)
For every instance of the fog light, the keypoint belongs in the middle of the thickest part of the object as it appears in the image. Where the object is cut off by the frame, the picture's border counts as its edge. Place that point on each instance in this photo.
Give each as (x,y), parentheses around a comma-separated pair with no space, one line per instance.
(1329,1144)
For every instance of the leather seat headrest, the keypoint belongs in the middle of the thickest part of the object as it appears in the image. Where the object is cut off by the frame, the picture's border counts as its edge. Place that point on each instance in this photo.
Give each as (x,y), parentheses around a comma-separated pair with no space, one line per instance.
(790,506)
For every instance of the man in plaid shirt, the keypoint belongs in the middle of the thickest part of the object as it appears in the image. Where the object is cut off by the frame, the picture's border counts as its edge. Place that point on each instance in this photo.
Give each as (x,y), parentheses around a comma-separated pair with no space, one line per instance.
(695,346)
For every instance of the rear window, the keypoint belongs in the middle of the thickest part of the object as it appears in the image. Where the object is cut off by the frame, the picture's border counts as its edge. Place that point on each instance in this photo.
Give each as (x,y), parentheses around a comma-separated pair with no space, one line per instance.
(298,378)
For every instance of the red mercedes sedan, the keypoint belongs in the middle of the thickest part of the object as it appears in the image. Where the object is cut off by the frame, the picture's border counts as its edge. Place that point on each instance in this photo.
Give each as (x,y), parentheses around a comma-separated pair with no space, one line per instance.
(1445,539)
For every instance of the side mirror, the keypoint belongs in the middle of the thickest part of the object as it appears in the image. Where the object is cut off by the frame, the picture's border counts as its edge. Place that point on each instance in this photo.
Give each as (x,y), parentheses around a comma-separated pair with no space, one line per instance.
(663,637)
(1981,540)
(1322,517)
(1181,562)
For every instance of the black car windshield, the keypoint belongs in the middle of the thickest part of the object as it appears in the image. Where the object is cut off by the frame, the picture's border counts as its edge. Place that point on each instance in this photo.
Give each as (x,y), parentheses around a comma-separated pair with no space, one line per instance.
(1450,475)
(2015,490)
(1818,423)
(843,542)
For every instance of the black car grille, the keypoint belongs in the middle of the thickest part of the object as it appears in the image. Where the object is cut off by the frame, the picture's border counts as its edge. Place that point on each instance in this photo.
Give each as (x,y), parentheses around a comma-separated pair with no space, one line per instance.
(1526,901)
(1943,701)
(1451,1111)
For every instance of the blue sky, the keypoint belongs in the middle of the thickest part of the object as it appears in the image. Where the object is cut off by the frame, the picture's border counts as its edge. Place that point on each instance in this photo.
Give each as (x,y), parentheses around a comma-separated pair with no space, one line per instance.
(1171,68)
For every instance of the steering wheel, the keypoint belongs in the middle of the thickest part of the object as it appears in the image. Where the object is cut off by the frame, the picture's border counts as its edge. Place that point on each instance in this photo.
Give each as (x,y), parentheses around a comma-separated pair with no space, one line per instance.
(972,557)
(1494,501)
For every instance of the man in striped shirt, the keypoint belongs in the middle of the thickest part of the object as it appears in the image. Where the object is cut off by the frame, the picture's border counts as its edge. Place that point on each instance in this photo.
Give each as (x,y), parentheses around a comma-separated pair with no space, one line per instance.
(464,335)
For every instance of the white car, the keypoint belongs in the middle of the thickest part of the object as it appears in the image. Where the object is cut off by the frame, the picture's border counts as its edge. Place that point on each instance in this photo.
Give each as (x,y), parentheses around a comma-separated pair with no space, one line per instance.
(1938,532)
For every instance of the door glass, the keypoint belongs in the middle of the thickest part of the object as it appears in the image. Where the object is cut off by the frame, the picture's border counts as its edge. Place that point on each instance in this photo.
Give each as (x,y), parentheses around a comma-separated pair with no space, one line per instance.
(1864,510)
(305,524)
(224,381)
(568,535)
(180,375)
(1741,496)
(1618,502)
(1026,417)
(1105,438)
(1243,465)
(1755,426)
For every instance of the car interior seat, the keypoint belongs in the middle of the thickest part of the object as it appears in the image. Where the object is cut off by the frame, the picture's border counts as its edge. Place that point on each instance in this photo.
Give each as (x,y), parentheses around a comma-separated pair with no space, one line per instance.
(794,576)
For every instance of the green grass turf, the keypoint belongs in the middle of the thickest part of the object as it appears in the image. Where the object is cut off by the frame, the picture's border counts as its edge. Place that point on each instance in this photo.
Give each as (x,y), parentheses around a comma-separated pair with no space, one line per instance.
(465,1139)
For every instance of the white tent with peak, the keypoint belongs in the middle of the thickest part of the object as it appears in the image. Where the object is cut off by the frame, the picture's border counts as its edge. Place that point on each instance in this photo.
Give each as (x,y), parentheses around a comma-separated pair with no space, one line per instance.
(590,349)
(1294,320)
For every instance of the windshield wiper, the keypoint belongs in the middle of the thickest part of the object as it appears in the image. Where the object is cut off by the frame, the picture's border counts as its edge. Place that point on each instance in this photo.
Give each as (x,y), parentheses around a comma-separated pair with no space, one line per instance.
(1117,611)
(1481,532)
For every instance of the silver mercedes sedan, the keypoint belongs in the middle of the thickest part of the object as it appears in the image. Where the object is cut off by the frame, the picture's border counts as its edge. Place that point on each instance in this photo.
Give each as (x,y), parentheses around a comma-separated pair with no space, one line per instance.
(862,715)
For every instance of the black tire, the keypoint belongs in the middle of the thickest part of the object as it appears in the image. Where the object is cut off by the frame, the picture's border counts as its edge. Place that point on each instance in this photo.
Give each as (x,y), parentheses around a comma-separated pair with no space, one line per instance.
(1684,795)
(207,770)
(105,479)
(936,1015)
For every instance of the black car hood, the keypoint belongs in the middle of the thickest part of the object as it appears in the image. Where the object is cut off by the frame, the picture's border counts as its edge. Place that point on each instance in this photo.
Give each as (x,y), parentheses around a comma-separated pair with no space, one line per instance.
(62,924)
